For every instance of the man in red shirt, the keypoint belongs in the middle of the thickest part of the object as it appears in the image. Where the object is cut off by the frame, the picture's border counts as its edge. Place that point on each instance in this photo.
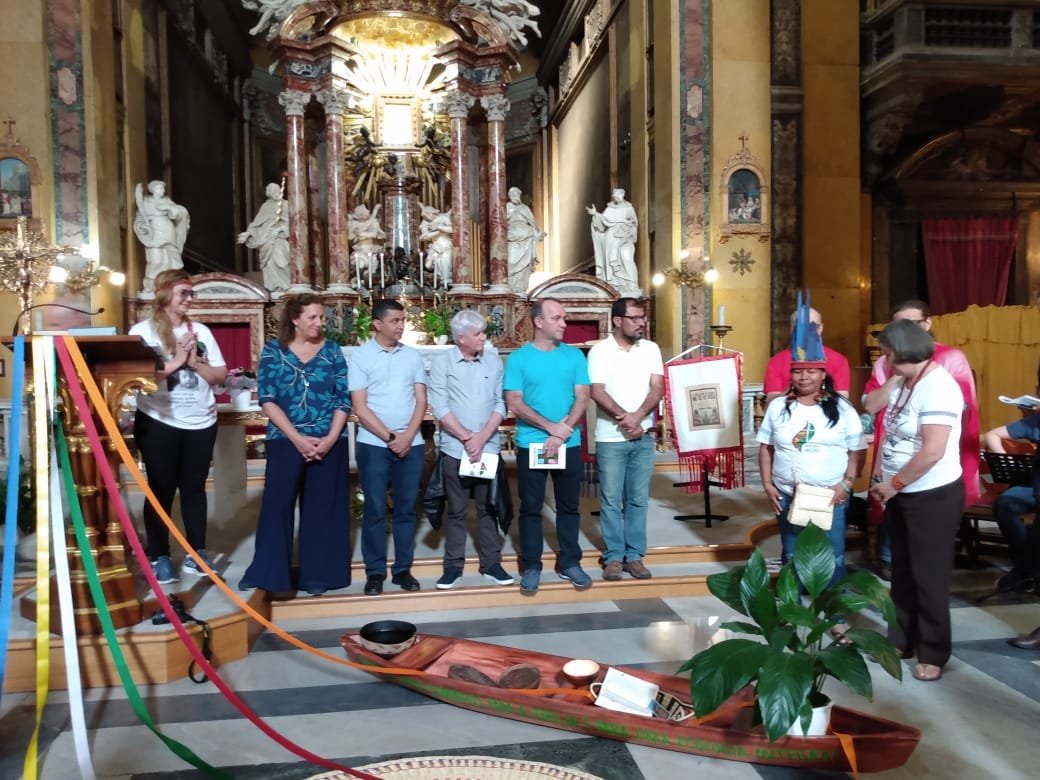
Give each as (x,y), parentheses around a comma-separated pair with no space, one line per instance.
(778,370)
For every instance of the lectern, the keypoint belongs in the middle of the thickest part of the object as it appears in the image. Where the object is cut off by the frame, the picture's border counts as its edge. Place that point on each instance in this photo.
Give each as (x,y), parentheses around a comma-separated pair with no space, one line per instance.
(119,365)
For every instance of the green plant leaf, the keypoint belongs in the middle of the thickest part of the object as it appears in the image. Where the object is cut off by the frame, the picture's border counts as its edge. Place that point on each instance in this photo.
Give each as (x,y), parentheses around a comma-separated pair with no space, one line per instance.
(756,595)
(797,614)
(845,663)
(742,626)
(783,687)
(725,586)
(870,587)
(787,591)
(877,645)
(781,639)
(813,560)
(723,669)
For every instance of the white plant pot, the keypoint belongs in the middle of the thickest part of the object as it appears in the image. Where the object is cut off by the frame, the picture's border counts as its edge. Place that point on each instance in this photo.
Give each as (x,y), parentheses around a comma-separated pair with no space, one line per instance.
(442,339)
(818,726)
(241,398)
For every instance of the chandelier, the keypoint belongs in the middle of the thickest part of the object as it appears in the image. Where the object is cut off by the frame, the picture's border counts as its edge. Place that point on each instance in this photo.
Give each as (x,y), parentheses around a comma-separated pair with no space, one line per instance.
(684,276)
(29,265)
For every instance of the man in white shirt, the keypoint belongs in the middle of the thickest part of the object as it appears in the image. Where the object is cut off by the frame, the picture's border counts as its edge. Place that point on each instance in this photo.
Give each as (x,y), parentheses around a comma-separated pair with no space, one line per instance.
(627,376)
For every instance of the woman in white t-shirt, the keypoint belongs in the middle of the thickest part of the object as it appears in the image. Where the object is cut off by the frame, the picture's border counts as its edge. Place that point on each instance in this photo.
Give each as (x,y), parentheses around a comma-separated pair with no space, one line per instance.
(176,426)
(922,492)
(811,435)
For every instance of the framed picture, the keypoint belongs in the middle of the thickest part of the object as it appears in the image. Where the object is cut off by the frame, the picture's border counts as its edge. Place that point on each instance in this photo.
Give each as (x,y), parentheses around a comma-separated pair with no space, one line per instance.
(15,188)
(745,198)
(704,407)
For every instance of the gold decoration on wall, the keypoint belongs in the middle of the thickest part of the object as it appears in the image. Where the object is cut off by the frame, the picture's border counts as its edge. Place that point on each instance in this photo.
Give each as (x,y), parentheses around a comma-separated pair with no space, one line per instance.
(741,261)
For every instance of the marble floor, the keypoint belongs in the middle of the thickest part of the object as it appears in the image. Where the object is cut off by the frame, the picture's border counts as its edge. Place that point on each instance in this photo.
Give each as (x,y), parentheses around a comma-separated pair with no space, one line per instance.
(978,721)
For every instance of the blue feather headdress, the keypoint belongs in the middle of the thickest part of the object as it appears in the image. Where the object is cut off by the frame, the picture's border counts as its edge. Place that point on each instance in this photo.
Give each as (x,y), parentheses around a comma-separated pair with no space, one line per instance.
(806,344)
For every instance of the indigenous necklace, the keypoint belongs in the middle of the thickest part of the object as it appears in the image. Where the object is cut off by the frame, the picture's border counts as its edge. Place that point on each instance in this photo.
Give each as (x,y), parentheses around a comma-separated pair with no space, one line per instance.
(902,400)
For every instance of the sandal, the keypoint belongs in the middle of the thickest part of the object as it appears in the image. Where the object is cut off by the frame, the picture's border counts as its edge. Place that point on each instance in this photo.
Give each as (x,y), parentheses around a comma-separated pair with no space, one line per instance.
(928,672)
(838,634)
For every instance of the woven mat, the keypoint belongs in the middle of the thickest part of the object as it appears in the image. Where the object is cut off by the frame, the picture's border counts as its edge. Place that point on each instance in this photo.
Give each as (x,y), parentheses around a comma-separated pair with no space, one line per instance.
(462,768)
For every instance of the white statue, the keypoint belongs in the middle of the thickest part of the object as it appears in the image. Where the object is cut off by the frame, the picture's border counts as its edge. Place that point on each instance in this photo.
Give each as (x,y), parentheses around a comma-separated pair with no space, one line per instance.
(524,235)
(269,232)
(512,15)
(367,238)
(272,14)
(435,231)
(614,234)
(162,226)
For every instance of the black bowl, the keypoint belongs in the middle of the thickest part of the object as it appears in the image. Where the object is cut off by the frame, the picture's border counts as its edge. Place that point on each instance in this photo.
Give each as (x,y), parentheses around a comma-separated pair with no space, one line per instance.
(387,637)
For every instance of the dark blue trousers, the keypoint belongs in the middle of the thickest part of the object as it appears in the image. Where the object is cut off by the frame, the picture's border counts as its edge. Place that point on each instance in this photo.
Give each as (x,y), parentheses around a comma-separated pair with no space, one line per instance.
(380,469)
(322,489)
(530,484)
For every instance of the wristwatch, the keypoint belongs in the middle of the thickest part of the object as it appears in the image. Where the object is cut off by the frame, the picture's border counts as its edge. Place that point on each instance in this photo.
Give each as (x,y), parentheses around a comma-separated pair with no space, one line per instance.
(390,437)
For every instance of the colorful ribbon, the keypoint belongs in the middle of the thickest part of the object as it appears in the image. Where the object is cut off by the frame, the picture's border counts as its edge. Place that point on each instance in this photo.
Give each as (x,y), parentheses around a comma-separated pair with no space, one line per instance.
(14,480)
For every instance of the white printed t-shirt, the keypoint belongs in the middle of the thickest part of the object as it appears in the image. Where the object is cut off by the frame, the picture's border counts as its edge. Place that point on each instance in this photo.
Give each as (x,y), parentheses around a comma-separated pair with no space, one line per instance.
(804,442)
(935,400)
(625,375)
(184,399)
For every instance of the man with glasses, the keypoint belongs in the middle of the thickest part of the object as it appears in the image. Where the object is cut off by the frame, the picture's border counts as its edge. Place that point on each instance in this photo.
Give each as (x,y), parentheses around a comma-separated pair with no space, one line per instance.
(778,370)
(547,388)
(627,376)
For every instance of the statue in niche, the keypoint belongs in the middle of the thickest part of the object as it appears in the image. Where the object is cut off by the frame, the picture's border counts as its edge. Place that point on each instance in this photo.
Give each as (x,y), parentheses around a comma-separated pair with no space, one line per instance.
(524,235)
(269,232)
(367,238)
(435,232)
(431,165)
(368,165)
(512,15)
(162,226)
(614,233)
(272,14)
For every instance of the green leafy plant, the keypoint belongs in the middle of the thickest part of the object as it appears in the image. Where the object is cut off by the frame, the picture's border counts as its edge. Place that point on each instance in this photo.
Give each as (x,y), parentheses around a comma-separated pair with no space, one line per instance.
(798,653)
(26,499)
(436,320)
(362,323)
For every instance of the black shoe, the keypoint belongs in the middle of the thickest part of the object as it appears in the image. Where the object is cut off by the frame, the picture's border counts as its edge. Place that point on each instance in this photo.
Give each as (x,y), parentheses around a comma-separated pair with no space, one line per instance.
(884,570)
(374,584)
(406,581)
(449,579)
(1016,580)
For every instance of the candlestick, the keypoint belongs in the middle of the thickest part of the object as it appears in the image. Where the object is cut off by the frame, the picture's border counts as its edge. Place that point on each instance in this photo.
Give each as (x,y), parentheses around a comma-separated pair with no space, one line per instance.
(722,315)
(357,271)
(382,278)
(369,270)
(434,276)
(420,271)
(720,332)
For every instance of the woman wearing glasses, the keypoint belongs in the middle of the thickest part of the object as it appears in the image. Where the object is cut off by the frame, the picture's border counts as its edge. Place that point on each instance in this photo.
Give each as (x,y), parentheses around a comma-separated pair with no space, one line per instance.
(176,426)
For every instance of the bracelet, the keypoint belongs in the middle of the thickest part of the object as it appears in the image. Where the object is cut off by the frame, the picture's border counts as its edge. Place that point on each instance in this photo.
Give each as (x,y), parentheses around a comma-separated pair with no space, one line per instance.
(848,482)
(897,483)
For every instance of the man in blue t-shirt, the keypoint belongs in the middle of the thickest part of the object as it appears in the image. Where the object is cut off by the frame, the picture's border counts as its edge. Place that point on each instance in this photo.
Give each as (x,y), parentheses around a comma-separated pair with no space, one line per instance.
(546,386)
(1014,502)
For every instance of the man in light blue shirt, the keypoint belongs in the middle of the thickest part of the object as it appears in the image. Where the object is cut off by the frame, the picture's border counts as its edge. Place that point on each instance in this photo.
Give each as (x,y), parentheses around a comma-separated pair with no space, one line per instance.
(388,394)
(547,388)
(466,397)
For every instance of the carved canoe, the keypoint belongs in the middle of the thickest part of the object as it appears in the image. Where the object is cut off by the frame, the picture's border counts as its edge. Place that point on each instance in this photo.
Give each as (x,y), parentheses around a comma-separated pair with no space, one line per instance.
(878,744)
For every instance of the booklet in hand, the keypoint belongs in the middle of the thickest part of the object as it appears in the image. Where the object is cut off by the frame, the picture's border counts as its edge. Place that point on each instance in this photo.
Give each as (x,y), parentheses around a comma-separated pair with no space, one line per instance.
(536,458)
(1023,401)
(484,468)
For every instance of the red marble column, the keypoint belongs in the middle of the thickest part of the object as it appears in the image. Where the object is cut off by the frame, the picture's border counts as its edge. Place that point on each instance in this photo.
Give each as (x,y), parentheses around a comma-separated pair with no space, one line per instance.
(497,106)
(294,103)
(336,103)
(458,105)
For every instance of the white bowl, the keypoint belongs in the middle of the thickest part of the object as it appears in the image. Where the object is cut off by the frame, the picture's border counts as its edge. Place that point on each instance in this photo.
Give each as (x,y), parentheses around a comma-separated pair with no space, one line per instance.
(581,671)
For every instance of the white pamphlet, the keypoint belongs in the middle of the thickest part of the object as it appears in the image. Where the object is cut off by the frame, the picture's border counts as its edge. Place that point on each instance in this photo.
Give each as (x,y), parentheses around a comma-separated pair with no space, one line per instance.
(485,468)
(1023,401)
(536,458)
(624,693)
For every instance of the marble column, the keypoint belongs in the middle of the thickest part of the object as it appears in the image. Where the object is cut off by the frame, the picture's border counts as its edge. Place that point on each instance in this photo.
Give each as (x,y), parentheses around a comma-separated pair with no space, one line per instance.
(457,105)
(336,103)
(295,102)
(496,107)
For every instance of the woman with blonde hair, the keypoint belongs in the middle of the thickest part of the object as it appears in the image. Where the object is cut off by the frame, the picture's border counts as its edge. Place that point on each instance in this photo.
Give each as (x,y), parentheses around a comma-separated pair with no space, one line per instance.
(176,426)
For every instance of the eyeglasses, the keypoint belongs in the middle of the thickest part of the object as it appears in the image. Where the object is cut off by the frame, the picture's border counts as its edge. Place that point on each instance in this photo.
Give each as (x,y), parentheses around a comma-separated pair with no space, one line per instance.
(634,318)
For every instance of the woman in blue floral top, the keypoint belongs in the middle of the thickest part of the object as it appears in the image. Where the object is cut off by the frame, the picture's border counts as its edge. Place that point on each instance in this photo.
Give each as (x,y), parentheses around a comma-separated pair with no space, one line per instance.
(302,387)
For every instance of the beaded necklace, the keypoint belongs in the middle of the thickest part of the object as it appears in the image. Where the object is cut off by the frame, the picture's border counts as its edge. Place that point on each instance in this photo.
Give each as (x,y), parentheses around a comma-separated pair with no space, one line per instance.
(897,409)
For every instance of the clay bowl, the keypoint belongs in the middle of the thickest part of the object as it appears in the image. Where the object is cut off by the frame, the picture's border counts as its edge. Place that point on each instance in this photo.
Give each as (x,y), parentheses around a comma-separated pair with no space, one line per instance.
(387,637)
(581,671)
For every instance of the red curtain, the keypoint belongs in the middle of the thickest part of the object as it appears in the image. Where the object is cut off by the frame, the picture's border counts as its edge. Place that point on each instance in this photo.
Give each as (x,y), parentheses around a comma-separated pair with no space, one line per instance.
(968,261)
(233,338)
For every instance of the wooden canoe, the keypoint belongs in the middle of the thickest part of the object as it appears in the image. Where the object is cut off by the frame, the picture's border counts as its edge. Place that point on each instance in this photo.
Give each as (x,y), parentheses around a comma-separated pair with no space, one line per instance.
(879,744)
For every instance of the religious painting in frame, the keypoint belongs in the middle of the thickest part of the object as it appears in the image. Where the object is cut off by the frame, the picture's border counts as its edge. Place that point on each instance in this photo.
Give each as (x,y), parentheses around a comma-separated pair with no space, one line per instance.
(704,407)
(744,201)
(15,188)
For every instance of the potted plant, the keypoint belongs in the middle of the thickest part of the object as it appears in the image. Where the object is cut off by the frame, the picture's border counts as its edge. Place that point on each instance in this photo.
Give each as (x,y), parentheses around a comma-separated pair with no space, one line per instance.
(239,384)
(788,669)
(436,320)
(362,328)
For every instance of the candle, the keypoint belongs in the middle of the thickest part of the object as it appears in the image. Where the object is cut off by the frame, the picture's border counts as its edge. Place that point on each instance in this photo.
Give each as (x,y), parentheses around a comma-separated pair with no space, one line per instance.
(369,270)
(434,276)
(722,314)
(420,272)
(357,271)
(382,279)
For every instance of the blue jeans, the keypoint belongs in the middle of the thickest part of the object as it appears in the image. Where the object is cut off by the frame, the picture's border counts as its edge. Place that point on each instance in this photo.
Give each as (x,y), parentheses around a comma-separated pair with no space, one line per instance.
(380,469)
(624,468)
(530,484)
(1008,510)
(789,535)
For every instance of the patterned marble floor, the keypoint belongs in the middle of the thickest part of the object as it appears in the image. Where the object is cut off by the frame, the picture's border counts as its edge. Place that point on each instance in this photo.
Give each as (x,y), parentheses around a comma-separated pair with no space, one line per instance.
(978,721)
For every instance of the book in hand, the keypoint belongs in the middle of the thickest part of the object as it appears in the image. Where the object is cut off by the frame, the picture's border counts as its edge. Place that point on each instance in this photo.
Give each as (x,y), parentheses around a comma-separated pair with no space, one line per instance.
(484,468)
(1023,401)
(536,458)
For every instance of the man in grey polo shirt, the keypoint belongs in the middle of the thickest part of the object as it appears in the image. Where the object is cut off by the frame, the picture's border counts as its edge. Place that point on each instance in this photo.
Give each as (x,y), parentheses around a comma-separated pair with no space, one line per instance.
(388,394)
(466,397)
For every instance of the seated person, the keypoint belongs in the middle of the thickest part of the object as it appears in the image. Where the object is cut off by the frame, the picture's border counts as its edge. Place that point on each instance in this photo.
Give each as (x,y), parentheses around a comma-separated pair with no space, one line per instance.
(1015,504)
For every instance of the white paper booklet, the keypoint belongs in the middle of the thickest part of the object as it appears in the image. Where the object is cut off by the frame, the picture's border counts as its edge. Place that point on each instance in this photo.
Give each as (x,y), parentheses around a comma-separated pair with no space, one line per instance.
(485,468)
(624,693)
(1024,401)
(536,458)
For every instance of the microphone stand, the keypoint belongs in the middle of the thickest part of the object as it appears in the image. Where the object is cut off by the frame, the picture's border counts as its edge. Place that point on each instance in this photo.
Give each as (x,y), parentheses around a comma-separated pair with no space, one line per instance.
(27,309)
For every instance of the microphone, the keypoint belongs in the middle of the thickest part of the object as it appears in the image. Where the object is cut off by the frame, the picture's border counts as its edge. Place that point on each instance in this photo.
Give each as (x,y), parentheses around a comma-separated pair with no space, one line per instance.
(27,309)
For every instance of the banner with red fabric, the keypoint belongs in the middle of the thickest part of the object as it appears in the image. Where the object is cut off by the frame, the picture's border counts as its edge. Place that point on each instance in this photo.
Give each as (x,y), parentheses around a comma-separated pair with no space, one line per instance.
(968,260)
(703,402)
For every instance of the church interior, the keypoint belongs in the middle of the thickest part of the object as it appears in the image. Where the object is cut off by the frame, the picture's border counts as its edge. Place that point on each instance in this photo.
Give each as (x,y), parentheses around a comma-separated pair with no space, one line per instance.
(479,154)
